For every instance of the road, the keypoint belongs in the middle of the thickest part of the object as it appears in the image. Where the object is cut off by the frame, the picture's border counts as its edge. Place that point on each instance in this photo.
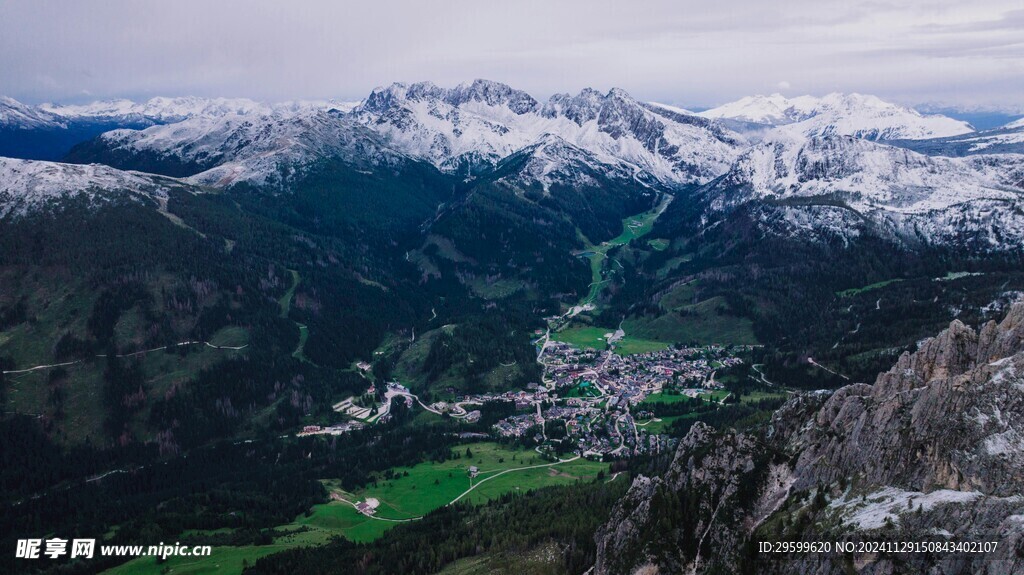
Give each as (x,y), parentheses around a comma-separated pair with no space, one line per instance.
(464,493)
(500,473)
(811,361)
(134,353)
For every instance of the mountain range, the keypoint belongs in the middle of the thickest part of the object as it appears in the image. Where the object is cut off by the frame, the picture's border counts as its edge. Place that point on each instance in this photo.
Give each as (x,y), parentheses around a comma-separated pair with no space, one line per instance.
(842,149)
(188,282)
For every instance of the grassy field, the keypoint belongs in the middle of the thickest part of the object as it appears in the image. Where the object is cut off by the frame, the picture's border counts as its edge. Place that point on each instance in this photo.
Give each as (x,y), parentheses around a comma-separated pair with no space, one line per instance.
(686,320)
(877,285)
(300,348)
(759,395)
(630,345)
(662,424)
(223,560)
(583,337)
(286,300)
(633,227)
(497,289)
(716,395)
(665,398)
(658,244)
(430,485)
(672,264)
(413,492)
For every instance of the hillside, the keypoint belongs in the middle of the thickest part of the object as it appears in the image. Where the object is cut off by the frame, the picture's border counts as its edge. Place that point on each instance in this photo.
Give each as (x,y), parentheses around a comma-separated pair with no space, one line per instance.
(930,452)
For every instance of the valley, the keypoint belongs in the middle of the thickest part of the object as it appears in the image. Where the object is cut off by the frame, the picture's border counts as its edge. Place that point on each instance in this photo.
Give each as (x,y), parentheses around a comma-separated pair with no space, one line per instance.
(464,330)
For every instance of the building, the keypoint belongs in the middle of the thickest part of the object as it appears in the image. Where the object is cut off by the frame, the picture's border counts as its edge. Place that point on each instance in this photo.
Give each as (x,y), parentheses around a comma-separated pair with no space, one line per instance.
(473,471)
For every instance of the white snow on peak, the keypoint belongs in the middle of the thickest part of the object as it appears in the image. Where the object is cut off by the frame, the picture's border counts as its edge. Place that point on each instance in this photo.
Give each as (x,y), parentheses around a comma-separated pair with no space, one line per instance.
(674,109)
(775,109)
(269,149)
(553,160)
(834,182)
(26,185)
(159,109)
(859,115)
(14,114)
(486,121)
(1018,123)
(870,175)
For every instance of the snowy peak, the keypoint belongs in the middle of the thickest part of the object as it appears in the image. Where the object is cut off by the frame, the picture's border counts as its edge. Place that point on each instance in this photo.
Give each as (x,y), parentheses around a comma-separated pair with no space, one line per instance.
(159,110)
(28,185)
(493,94)
(552,160)
(837,182)
(264,148)
(475,125)
(483,92)
(581,108)
(1007,139)
(15,115)
(858,115)
(155,110)
(1016,124)
(870,175)
(774,110)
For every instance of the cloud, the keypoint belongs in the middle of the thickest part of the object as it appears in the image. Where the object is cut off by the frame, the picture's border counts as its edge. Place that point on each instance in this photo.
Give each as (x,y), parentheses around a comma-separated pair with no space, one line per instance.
(699,52)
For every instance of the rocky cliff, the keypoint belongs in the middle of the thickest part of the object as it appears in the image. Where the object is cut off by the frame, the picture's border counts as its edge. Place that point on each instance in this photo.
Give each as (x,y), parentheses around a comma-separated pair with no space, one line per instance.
(932,451)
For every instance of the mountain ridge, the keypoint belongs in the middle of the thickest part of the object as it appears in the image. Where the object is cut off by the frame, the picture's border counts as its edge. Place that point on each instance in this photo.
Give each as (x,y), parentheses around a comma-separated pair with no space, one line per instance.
(930,451)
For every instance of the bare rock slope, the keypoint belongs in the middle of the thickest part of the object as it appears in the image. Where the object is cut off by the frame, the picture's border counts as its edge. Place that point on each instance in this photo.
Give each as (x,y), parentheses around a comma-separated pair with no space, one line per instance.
(933,451)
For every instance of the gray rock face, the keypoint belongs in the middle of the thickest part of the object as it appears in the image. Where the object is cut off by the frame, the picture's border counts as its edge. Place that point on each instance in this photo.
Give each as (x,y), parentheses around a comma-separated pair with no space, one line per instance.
(932,451)
(945,417)
(666,524)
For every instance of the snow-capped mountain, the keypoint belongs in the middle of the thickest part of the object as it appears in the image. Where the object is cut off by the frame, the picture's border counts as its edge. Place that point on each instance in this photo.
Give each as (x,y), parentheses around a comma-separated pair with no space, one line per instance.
(1008,139)
(819,161)
(477,124)
(159,110)
(838,182)
(460,130)
(50,131)
(774,110)
(858,115)
(15,115)
(554,161)
(267,147)
(27,185)
(268,150)
(155,110)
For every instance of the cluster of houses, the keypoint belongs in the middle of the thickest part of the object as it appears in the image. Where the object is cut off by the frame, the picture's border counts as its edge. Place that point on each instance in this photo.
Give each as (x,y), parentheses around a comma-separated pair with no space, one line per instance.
(517,425)
(593,392)
(337,429)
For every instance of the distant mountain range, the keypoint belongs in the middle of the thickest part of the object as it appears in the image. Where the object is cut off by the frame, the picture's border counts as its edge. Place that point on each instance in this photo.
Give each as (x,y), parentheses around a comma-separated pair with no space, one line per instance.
(874,161)
(858,115)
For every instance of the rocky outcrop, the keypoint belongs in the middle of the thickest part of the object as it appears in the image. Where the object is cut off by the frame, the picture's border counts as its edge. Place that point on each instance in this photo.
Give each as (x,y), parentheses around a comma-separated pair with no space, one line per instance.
(945,417)
(932,451)
(668,524)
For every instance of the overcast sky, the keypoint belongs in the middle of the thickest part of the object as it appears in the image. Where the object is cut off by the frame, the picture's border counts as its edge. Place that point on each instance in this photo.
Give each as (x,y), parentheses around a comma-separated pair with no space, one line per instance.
(968,53)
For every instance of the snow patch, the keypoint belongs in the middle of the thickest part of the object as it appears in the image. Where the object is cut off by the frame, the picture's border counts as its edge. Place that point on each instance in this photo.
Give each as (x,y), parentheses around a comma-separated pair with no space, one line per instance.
(890,502)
